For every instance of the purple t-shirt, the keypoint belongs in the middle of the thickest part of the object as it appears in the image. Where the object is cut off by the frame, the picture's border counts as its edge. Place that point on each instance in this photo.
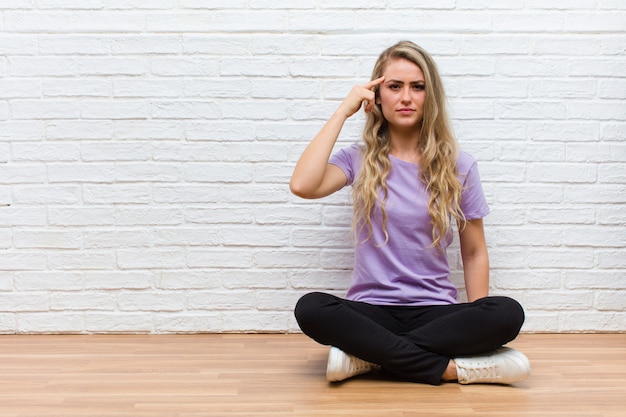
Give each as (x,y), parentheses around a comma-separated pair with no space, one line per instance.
(407,270)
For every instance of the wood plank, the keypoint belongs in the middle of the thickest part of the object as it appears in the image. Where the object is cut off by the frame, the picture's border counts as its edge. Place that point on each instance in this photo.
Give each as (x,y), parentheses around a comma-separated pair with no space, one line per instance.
(283,375)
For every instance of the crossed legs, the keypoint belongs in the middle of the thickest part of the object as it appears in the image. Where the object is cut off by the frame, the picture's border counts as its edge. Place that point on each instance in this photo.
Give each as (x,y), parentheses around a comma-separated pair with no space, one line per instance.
(412,343)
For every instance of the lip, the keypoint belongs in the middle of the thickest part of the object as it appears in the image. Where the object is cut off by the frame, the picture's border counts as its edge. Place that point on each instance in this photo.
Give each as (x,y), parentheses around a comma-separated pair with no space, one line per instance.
(406,110)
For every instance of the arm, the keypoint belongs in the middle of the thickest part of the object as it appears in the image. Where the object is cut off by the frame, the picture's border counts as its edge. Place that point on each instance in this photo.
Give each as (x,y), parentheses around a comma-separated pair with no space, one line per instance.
(313,177)
(475,260)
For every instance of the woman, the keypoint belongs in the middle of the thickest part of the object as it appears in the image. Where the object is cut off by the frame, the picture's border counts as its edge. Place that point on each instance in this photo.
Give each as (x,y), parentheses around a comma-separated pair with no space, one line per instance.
(409,183)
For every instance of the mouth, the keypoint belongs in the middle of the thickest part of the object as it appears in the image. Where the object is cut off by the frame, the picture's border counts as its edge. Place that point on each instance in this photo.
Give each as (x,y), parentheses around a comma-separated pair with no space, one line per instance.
(406,110)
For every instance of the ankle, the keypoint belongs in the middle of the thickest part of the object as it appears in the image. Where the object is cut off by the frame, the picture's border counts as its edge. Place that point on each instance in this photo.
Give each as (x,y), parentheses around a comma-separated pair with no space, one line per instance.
(450,373)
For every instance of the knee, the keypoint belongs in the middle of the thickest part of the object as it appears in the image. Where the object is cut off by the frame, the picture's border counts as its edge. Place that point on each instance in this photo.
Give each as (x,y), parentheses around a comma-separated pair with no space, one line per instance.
(512,312)
(309,309)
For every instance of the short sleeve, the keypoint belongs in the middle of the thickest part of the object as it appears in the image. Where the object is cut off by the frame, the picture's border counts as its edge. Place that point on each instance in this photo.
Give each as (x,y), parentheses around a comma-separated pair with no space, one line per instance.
(473,202)
(348,160)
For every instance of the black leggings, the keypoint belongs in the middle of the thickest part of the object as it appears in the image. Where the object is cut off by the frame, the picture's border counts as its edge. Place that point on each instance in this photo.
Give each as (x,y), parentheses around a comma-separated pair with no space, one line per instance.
(412,343)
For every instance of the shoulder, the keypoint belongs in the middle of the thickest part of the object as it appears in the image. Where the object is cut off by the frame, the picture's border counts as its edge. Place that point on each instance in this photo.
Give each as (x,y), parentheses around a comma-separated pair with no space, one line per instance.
(464,162)
(350,155)
(348,159)
(354,150)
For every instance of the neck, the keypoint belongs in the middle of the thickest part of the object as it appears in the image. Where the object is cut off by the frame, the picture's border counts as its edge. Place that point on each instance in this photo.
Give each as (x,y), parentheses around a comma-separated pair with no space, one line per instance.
(404,145)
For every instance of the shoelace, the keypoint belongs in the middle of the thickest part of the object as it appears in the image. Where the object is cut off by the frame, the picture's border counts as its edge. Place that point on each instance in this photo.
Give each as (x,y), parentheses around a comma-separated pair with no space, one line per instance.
(357,364)
(482,370)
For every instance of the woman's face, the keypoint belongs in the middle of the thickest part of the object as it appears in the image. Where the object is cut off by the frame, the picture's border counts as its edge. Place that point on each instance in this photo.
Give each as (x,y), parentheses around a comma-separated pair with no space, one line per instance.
(402,94)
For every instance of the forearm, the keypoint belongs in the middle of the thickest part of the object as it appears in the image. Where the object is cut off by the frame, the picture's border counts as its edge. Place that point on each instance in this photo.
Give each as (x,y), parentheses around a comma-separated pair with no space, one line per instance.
(311,177)
(476,274)
(308,173)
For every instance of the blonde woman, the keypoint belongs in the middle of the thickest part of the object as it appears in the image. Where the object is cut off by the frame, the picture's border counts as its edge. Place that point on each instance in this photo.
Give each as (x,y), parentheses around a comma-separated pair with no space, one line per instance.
(410,183)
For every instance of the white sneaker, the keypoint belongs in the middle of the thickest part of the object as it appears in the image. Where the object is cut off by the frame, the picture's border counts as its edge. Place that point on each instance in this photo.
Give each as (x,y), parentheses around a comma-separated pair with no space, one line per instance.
(504,366)
(342,366)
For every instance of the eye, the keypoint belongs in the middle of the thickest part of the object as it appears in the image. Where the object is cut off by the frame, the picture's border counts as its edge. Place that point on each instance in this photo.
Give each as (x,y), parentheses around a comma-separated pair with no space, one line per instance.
(394,87)
(419,87)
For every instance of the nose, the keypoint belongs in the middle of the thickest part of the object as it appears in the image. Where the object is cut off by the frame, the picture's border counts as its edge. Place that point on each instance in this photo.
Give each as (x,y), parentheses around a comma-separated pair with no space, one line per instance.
(406,95)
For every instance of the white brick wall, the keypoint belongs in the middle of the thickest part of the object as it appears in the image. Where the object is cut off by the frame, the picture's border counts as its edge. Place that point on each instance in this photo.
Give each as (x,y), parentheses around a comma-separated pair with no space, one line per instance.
(146,146)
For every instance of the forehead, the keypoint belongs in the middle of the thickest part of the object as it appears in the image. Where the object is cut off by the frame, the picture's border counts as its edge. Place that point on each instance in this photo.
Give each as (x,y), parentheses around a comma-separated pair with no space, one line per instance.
(402,69)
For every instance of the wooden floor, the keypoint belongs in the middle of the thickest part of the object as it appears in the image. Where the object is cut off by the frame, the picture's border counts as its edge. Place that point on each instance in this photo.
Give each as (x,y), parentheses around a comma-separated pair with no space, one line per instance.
(283,375)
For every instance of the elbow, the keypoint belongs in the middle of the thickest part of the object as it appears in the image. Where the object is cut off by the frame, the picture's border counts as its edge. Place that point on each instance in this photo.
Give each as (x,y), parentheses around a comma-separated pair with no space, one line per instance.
(298,189)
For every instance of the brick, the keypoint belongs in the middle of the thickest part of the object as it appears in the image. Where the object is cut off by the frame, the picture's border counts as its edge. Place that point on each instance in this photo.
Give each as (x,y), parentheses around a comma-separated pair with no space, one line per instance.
(219,258)
(47,151)
(81,216)
(563,131)
(26,173)
(187,109)
(114,109)
(272,173)
(238,279)
(180,236)
(20,302)
(59,44)
(217,300)
(22,261)
(559,173)
(486,4)
(116,280)
(611,301)
(527,22)
(315,21)
(594,280)
(68,4)
(44,109)
(186,194)
(538,110)
(78,129)
(93,301)
(151,301)
(249,321)
(600,321)
(145,44)
(148,172)
(183,66)
(183,322)
(118,322)
(251,21)
(38,66)
(50,194)
(255,235)
(77,88)
(147,88)
(114,151)
(595,22)
(584,236)
(596,111)
(190,279)
(564,45)
(612,173)
(117,238)
(154,258)
(220,215)
(43,322)
(15,88)
(62,173)
(108,194)
(70,260)
(41,239)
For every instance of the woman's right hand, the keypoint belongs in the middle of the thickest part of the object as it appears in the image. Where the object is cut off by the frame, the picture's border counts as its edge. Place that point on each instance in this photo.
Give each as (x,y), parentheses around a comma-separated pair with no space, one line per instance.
(313,176)
(357,96)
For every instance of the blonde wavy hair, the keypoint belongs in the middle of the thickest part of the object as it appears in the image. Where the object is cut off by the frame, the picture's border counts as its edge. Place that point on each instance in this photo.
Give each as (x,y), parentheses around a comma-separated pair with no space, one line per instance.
(437,147)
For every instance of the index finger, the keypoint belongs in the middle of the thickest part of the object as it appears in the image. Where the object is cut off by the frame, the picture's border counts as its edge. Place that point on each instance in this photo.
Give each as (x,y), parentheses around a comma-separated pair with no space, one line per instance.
(374,83)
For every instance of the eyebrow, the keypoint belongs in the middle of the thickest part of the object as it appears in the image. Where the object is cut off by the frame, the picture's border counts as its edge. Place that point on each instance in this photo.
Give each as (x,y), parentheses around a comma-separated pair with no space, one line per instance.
(402,82)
